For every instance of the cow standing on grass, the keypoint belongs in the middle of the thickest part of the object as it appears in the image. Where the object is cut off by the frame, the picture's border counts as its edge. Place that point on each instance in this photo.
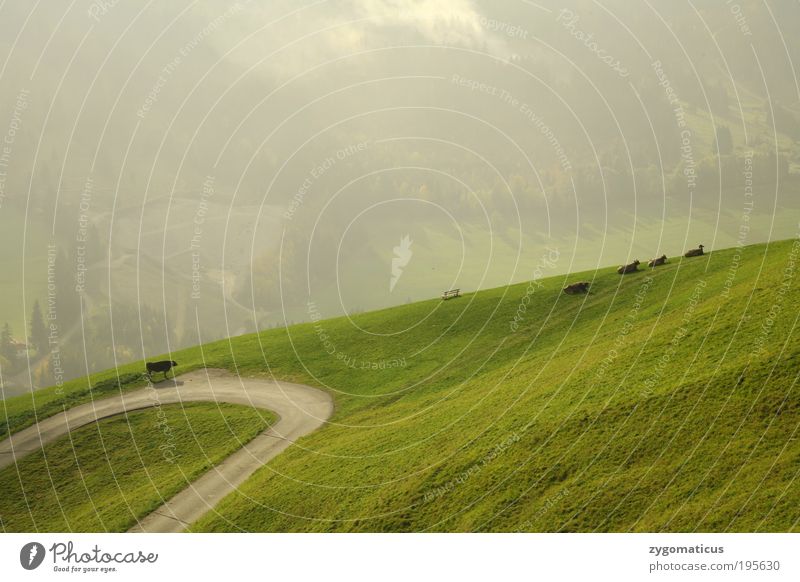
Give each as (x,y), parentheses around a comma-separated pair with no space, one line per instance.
(164,367)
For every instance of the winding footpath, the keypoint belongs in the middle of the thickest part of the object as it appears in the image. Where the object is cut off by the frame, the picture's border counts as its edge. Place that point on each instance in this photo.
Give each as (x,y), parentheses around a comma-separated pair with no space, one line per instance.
(301,410)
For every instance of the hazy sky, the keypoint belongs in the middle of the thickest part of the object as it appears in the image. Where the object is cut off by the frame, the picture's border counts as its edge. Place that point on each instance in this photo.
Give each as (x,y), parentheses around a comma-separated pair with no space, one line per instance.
(222,164)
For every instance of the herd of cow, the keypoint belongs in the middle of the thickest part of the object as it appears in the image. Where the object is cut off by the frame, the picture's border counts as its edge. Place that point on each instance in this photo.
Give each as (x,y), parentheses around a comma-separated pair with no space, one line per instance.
(573,289)
(583,286)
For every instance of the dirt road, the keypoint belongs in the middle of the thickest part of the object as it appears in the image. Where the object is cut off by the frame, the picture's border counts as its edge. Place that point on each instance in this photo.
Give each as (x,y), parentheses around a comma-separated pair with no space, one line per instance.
(301,410)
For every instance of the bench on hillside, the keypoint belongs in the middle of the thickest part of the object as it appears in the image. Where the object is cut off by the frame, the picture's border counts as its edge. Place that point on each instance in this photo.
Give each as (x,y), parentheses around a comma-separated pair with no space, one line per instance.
(452,293)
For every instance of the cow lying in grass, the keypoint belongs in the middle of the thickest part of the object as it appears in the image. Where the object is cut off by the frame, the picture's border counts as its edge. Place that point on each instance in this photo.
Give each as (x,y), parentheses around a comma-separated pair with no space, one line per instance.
(624,269)
(658,261)
(164,367)
(694,252)
(577,288)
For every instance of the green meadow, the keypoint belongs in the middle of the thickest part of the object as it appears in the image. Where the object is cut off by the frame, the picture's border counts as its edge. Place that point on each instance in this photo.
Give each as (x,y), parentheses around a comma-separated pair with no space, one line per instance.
(663,400)
(105,476)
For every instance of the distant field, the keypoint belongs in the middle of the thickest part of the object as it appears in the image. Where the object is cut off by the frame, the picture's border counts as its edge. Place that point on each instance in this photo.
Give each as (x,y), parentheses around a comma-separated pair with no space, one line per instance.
(104,476)
(664,400)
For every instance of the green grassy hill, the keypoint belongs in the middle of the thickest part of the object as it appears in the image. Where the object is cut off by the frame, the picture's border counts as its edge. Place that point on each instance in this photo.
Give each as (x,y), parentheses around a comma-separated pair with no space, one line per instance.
(104,476)
(662,400)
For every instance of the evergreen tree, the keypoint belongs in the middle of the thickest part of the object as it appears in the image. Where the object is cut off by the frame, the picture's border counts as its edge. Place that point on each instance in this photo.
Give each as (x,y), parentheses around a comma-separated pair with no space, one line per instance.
(6,348)
(38,329)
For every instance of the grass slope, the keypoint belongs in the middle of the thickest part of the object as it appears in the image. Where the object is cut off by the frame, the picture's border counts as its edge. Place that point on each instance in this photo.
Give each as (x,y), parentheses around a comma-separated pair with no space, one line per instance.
(108,474)
(663,400)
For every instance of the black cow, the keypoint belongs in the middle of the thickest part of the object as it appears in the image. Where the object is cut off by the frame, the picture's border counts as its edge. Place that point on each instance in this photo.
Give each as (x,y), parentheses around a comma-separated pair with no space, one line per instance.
(631,268)
(576,288)
(164,367)
(658,261)
(698,252)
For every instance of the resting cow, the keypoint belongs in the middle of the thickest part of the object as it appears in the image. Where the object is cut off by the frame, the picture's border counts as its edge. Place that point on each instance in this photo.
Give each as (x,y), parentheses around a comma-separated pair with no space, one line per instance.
(658,261)
(164,367)
(624,269)
(577,288)
(694,252)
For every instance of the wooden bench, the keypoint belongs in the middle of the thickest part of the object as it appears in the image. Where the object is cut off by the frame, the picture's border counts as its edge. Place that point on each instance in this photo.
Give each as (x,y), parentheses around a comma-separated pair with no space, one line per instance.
(452,293)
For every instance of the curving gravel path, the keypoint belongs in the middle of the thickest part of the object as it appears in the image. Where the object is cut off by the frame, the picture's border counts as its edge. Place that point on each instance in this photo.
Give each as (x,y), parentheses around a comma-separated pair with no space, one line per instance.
(301,410)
